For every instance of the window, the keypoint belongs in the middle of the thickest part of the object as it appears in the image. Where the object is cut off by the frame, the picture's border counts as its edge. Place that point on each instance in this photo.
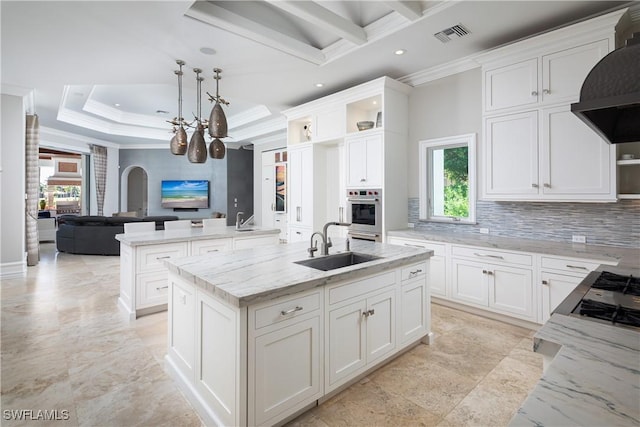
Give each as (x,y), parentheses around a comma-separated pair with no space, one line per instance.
(447,179)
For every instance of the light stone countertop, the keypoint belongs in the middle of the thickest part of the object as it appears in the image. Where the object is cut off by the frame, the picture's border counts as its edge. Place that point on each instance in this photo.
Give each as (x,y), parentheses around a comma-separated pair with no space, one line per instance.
(248,276)
(612,255)
(594,379)
(194,233)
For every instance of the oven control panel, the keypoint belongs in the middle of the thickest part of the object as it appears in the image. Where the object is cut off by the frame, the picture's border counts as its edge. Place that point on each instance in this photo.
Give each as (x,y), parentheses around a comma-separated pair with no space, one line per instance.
(370,193)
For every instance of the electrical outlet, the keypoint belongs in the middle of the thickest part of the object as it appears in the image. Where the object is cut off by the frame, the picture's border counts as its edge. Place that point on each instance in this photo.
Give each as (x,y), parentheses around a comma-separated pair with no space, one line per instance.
(411,225)
(484,231)
(578,239)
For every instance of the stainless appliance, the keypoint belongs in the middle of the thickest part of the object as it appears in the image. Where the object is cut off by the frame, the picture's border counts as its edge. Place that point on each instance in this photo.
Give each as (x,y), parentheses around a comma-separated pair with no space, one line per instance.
(605,297)
(610,95)
(364,212)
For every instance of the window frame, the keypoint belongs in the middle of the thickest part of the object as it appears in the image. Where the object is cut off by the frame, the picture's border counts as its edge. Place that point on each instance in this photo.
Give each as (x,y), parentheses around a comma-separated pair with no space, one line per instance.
(425,148)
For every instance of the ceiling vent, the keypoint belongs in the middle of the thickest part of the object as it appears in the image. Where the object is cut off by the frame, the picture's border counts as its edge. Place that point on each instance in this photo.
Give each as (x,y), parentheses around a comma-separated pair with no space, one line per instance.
(455,32)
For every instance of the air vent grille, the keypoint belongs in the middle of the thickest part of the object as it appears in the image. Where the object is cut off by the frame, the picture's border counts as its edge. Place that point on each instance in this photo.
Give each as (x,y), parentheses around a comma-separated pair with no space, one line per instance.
(451,33)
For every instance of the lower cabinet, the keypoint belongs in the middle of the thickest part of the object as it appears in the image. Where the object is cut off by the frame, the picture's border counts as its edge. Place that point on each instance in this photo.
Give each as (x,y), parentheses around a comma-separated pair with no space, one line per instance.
(437,263)
(299,234)
(415,308)
(555,288)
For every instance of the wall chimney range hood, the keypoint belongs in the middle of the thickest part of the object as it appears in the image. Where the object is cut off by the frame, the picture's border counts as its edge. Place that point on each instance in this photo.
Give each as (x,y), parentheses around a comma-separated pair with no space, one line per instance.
(610,95)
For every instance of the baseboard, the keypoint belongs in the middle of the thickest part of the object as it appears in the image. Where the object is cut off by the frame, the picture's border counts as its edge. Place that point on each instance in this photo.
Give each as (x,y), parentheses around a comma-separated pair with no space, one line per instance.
(125,308)
(13,269)
(488,314)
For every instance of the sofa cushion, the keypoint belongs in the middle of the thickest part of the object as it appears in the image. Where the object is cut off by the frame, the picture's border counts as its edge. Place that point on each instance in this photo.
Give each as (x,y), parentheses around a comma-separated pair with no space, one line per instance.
(119,220)
(90,220)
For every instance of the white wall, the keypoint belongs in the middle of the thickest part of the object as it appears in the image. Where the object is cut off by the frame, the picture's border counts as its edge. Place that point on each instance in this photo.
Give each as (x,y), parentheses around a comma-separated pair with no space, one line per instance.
(445,107)
(12,186)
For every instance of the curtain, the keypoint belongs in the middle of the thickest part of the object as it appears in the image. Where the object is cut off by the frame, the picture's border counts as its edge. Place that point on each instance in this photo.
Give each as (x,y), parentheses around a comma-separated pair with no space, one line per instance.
(32,186)
(99,155)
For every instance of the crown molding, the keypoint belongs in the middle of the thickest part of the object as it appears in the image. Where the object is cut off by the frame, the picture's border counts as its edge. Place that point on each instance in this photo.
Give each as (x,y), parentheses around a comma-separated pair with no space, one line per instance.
(439,71)
(115,115)
(55,138)
(248,116)
(276,124)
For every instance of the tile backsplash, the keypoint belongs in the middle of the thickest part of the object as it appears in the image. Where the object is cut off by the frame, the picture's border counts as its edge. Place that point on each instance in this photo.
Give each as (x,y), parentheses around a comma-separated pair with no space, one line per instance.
(615,224)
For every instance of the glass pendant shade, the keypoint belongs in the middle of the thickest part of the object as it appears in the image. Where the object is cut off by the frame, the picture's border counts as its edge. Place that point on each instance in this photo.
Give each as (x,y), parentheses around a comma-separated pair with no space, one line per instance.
(217,122)
(216,149)
(179,142)
(197,151)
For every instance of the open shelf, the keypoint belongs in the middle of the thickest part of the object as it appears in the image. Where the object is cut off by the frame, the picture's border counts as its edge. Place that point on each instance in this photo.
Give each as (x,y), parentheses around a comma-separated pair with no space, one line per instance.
(366,109)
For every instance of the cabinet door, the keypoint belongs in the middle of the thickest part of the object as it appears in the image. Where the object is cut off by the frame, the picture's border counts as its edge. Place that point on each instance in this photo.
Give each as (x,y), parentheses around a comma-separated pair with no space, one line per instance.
(513,85)
(511,155)
(555,288)
(287,370)
(182,327)
(374,161)
(511,291)
(575,160)
(151,289)
(438,276)
(347,344)
(203,247)
(381,325)
(564,72)
(469,283)
(356,162)
(301,186)
(413,311)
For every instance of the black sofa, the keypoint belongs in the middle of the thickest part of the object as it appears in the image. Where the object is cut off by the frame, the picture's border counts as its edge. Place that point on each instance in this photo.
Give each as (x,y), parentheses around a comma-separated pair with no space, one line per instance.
(95,235)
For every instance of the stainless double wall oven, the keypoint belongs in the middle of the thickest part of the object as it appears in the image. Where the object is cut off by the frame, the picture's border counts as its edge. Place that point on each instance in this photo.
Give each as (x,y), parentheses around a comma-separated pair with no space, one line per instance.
(364,212)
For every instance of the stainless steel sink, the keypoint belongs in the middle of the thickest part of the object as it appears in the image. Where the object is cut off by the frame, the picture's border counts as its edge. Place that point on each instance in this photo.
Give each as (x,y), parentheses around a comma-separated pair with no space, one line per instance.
(332,262)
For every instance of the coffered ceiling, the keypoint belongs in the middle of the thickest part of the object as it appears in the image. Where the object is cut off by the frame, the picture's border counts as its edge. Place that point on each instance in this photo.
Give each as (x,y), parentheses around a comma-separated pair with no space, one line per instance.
(105,69)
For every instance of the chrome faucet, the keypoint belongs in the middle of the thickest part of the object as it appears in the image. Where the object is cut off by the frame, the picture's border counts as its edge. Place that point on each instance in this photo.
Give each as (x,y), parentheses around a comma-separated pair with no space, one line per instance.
(240,223)
(314,247)
(327,240)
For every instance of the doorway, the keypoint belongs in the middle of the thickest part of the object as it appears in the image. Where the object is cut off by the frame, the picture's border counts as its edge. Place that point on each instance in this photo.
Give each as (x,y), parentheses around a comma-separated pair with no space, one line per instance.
(134,185)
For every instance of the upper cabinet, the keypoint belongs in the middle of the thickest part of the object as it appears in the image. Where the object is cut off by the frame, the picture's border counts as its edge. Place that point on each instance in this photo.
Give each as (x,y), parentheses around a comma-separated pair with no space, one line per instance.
(543,80)
(364,160)
(534,148)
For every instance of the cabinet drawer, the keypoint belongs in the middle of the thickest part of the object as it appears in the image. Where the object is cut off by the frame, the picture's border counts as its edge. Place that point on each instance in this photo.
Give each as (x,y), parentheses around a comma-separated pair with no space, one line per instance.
(203,247)
(437,248)
(568,265)
(481,254)
(361,287)
(152,289)
(254,242)
(287,309)
(413,271)
(150,258)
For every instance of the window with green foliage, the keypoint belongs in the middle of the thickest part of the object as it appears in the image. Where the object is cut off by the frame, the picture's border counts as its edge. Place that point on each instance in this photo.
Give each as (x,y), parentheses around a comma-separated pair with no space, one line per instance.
(447,179)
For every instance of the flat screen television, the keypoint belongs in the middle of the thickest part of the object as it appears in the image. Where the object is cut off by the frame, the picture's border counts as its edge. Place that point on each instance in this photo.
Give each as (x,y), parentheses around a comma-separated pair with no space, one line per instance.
(185,194)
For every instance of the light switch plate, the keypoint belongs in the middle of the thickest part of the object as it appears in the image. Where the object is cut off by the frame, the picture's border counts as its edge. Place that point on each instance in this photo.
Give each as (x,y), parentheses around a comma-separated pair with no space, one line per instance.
(578,239)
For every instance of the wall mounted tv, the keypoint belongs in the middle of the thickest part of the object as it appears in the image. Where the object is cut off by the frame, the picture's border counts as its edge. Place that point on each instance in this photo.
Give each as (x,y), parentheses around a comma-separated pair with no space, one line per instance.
(185,194)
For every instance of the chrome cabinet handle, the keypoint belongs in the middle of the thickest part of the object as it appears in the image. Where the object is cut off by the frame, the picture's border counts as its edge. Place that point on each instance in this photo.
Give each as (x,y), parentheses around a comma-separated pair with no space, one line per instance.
(579,267)
(546,91)
(488,256)
(162,287)
(488,272)
(213,250)
(273,206)
(414,273)
(547,185)
(535,185)
(544,282)
(163,257)
(298,213)
(368,313)
(362,180)
(341,214)
(534,93)
(291,310)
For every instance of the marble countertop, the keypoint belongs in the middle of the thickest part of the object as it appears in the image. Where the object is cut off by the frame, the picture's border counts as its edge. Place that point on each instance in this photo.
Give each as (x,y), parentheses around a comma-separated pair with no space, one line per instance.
(594,379)
(248,276)
(194,233)
(612,255)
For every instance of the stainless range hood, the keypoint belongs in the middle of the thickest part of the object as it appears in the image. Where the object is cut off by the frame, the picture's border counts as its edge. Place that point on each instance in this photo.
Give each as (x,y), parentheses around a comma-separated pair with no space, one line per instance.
(610,95)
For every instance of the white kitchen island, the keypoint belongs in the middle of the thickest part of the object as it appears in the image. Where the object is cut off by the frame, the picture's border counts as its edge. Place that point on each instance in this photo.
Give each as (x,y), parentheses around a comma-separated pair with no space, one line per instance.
(143,277)
(255,338)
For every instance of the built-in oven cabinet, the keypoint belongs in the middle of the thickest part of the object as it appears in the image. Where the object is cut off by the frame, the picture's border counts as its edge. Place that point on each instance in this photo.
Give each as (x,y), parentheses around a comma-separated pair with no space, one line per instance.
(364,160)
(558,278)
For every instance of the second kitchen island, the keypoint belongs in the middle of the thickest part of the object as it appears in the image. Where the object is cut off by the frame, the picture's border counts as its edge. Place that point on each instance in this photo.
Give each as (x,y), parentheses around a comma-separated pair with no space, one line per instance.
(256,338)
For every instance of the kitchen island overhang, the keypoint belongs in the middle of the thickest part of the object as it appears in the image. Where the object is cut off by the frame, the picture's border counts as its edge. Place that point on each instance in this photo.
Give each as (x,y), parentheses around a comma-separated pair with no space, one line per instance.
(255,339)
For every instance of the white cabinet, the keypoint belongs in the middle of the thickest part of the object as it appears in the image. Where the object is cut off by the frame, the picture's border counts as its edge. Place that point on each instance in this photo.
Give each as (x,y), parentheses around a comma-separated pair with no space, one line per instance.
(551,78)
(437,271)
(360,325)
(285,354)
(558,278)
(267,190)
(364,160)
(255,241)
(182,326)
(299,234)
(499,281)
(203,247)
(301,186)
(414,310)
(559,159)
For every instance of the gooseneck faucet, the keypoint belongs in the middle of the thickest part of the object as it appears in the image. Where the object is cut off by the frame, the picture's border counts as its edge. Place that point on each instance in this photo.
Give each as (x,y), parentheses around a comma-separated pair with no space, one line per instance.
(326,241)
(238,220)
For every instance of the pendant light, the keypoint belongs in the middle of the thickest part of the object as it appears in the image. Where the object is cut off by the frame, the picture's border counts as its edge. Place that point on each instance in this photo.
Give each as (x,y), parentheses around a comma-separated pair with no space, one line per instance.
(217,120)
(216,149)
(178,143)
(197,151)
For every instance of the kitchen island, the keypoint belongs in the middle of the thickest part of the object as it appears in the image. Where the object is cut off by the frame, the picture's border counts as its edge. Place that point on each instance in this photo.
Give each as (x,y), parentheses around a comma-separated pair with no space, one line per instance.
(143,277)
(255,338)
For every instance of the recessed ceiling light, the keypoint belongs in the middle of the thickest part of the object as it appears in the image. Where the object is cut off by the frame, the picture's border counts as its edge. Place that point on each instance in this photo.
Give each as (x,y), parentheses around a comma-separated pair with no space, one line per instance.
(375,102)
(208,51)
(400,51)
(117,105)
(319,84)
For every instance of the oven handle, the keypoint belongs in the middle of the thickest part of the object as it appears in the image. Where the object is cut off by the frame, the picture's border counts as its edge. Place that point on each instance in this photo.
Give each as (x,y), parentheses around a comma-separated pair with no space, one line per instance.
(363,200)
(363,235)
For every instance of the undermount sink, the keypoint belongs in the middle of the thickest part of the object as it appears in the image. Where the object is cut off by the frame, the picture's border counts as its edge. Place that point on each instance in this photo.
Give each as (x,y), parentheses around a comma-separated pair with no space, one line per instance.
(332,262)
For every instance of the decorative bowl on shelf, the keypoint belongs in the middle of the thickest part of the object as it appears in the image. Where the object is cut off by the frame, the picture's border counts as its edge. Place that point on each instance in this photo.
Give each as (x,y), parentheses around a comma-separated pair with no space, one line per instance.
(364,125)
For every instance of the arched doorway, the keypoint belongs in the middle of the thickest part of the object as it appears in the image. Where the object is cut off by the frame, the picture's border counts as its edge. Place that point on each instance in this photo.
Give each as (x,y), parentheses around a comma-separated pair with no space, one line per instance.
(134,191)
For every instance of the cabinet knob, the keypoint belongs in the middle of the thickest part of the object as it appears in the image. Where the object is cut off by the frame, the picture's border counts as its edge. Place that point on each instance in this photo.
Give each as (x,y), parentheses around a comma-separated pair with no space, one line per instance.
(546,91)
(362,180)
(545,282)
(547,185)
(534,93)
(534,185)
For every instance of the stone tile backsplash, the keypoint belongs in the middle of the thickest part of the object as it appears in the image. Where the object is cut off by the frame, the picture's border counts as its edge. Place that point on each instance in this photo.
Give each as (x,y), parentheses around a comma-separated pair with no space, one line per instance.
(615,224)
